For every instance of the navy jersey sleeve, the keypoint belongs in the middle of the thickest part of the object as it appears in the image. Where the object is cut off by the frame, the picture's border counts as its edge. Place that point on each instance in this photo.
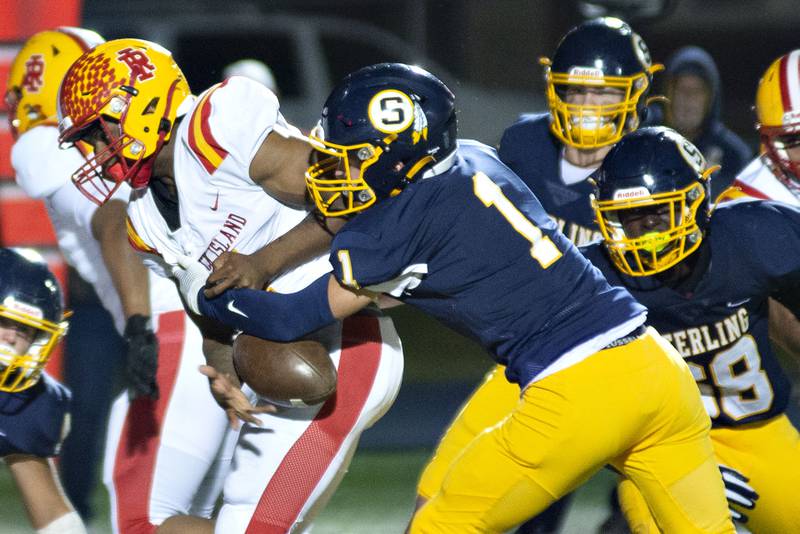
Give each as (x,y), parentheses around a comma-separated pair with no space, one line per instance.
(364,260)
(769,241)
(519,140)
(35,421)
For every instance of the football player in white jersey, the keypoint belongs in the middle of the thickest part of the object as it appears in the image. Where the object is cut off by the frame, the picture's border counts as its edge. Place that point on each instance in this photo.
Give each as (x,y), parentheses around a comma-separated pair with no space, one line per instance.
(225,172)
(165,436)
(775,174)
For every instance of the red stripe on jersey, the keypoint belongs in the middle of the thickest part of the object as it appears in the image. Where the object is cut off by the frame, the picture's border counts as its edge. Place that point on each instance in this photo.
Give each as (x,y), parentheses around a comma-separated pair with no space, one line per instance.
(311,455)
(207,135)
(750,191)
(201,139)
(135,459)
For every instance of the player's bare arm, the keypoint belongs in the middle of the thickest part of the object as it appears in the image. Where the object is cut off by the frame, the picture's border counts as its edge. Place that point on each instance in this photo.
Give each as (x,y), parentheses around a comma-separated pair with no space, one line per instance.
(279,168)
(784,328)
(130,278)
(302,243)
(42,494)
(127,271)
(223,380)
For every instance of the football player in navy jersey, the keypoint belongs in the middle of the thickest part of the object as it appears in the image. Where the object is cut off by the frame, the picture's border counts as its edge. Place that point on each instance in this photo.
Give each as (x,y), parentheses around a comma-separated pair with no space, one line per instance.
(597,85)
(446,227)
(34,408)
(706,280)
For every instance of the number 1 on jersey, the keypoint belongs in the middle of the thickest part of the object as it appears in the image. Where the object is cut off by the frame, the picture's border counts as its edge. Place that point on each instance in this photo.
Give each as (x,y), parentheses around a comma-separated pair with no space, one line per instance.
(543,249)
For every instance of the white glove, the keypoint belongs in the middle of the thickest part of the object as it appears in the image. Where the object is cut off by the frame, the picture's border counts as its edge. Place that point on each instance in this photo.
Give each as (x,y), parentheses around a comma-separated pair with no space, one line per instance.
(738,492)
(191,277)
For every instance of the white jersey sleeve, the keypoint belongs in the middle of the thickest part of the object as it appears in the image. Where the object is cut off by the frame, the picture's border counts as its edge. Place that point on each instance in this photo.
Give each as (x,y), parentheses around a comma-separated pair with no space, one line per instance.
(757,180)
(242,97)
(41,168)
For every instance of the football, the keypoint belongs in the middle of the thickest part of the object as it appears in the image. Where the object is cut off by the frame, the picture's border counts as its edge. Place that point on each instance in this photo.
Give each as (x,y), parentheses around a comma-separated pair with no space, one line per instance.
(296,374)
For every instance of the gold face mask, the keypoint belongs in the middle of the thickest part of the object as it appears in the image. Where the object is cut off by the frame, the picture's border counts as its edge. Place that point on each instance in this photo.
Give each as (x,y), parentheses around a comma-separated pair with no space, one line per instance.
(657,250)
(19,371)
(587,125)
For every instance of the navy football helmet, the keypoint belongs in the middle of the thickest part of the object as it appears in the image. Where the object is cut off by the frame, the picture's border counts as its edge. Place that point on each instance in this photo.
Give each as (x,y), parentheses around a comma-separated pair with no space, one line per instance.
(30,302)
(381,127)
(600,54)
(653,172)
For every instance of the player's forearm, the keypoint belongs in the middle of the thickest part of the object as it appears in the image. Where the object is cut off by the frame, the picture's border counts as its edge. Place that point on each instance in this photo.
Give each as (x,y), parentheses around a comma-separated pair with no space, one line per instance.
(217,345)
(302,243)
(41,493)
(275,316)
(784,328)
(128,274)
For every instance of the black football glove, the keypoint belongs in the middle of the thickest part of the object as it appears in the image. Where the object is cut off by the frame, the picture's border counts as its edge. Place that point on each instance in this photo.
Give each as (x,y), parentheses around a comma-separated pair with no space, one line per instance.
(142,362)
(738,492)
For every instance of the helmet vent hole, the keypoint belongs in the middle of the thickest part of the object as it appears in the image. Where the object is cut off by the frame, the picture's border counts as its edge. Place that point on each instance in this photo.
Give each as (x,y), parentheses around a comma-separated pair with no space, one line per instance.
(151,107)
(55,50)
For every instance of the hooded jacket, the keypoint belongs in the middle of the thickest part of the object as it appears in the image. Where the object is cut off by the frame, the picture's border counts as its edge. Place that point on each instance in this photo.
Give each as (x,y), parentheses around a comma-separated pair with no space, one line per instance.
(718,144)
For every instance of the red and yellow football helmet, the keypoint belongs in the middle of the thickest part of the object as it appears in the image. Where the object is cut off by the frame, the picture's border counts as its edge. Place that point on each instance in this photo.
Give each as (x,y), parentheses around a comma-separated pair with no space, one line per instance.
(778,117)
(127,93)
(37,71)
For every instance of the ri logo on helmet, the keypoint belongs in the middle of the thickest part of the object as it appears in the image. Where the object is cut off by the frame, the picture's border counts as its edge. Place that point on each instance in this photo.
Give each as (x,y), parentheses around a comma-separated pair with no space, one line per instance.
(136,60)
(34,70)
(391,111)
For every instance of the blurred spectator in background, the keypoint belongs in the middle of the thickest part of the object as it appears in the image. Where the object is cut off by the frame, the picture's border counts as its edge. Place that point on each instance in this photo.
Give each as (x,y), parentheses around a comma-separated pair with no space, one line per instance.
(253,69)
(694,108)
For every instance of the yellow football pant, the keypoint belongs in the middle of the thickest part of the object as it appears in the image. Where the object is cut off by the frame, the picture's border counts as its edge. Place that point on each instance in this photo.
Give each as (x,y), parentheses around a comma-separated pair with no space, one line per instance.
(768,453)
(635,407)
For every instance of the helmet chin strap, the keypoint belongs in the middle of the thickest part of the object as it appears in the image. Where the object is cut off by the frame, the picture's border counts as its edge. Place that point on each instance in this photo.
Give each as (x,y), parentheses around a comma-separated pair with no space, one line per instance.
(143,172)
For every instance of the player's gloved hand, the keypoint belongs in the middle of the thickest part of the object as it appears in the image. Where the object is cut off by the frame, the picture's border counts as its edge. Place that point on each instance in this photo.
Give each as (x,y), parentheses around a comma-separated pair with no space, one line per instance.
(232,270)
(738,492)
(142,357)
(191,277)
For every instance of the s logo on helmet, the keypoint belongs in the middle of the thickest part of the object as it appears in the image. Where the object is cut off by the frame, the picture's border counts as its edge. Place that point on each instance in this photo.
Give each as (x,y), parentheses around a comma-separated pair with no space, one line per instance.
(34,70)
(642,52)
(391,111)
(141,67)
(692,155)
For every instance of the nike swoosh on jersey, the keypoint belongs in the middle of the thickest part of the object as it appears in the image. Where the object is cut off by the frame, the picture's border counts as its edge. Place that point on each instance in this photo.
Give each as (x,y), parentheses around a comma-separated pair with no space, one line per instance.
(216,203)
(236,310)
(738,303)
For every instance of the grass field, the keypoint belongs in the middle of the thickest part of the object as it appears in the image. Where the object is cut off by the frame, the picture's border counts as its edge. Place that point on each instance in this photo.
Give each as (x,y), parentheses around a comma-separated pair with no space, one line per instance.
(376,497)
